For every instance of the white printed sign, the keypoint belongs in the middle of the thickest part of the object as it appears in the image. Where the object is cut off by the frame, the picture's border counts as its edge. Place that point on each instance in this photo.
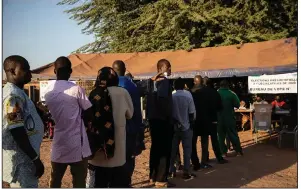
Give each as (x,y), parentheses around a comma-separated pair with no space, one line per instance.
(43,88)
(273,84)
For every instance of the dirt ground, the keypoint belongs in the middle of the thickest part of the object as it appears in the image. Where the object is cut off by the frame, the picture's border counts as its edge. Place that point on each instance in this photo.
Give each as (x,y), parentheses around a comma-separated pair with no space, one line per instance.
(263,165)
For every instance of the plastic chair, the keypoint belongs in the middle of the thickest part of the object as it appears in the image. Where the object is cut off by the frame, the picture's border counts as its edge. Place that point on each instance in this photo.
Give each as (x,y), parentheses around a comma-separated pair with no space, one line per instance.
(288,131)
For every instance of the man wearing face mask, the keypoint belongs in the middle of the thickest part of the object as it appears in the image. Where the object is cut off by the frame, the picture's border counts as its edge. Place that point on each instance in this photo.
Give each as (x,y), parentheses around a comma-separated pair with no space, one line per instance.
(159,114)
(197,83)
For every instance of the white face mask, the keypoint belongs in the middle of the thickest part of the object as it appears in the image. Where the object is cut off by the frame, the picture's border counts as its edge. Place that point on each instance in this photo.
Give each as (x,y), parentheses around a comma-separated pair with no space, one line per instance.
(155,88)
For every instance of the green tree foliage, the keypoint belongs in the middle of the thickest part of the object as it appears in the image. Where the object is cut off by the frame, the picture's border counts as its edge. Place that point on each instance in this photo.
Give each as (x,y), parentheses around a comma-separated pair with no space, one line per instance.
(158,25)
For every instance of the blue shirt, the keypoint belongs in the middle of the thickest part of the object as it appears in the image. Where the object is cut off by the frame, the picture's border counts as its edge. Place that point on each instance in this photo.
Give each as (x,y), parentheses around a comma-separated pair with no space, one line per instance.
(133,125)
(183,105)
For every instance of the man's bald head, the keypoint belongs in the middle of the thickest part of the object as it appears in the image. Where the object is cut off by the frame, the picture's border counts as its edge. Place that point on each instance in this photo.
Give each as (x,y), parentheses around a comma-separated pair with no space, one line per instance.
(119,67)
(62,62)
(207,82)
(17,70)
(62,68)
(224,84)
(197,80)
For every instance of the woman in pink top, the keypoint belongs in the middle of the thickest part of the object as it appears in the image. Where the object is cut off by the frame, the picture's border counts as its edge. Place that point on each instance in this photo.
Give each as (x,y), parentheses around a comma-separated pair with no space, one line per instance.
(111,106)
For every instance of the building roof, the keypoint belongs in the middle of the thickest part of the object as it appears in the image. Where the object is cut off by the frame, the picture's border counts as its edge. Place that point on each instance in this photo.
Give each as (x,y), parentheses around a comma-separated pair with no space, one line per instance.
(269,57)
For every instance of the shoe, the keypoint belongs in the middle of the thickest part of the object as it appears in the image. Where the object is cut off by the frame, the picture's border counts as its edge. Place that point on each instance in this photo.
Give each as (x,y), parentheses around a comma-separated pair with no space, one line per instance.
(223,161)
(196,167)
(180,168)
(172,175)
(187,176)
(240,153)
(205,166)
(193,175)
(225,155)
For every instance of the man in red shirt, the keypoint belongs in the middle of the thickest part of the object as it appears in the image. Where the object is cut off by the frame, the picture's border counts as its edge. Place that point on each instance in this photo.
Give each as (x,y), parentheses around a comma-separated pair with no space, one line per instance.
(278,102)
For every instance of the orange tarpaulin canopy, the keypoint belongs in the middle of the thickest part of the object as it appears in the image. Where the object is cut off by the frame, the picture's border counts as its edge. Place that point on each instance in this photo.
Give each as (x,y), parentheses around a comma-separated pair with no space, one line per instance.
(250,58)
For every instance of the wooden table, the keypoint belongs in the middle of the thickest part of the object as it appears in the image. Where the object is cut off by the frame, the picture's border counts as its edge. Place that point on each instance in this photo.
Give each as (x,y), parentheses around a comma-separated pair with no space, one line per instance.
(247,111)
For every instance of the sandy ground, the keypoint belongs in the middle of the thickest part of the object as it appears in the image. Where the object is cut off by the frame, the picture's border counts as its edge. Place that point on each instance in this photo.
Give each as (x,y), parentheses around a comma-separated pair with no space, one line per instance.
(263,165)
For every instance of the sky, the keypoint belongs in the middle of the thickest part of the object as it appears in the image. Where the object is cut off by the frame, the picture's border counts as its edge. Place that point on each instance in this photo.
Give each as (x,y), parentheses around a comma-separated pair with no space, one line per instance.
(40,31)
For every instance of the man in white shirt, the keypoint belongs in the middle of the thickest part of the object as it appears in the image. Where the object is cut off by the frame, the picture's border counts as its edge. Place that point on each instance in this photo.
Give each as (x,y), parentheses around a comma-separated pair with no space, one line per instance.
(183,115)
(67,103)
(259,100)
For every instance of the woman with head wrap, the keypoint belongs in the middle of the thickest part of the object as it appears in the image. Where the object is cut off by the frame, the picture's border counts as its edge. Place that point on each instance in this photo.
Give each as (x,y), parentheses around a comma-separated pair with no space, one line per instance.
(111,105)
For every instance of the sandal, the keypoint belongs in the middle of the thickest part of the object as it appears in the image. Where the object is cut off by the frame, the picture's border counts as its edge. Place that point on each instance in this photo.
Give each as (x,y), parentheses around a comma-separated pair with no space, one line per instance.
(164,185)
(205,166)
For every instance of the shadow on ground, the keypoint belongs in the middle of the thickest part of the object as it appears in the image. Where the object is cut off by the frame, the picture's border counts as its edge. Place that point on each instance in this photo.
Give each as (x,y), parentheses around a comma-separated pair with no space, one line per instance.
(263,165)
(259,160)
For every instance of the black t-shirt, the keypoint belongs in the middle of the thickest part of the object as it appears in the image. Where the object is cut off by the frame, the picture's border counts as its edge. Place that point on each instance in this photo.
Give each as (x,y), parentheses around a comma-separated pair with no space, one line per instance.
(208,103)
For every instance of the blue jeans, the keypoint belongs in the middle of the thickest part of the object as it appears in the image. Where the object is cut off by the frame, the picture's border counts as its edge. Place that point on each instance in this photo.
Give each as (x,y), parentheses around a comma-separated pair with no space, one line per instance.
(24,176)
(186,138)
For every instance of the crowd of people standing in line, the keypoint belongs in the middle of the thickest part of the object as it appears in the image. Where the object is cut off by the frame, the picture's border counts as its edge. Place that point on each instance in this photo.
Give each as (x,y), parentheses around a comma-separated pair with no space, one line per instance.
(99,136)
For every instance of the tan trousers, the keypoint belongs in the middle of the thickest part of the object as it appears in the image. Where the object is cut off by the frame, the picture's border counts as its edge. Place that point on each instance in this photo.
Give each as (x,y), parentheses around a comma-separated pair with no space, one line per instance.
(78,172)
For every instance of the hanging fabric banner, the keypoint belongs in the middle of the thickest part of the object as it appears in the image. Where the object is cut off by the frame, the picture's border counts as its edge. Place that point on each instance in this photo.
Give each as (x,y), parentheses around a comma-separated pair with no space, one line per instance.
(273,84)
